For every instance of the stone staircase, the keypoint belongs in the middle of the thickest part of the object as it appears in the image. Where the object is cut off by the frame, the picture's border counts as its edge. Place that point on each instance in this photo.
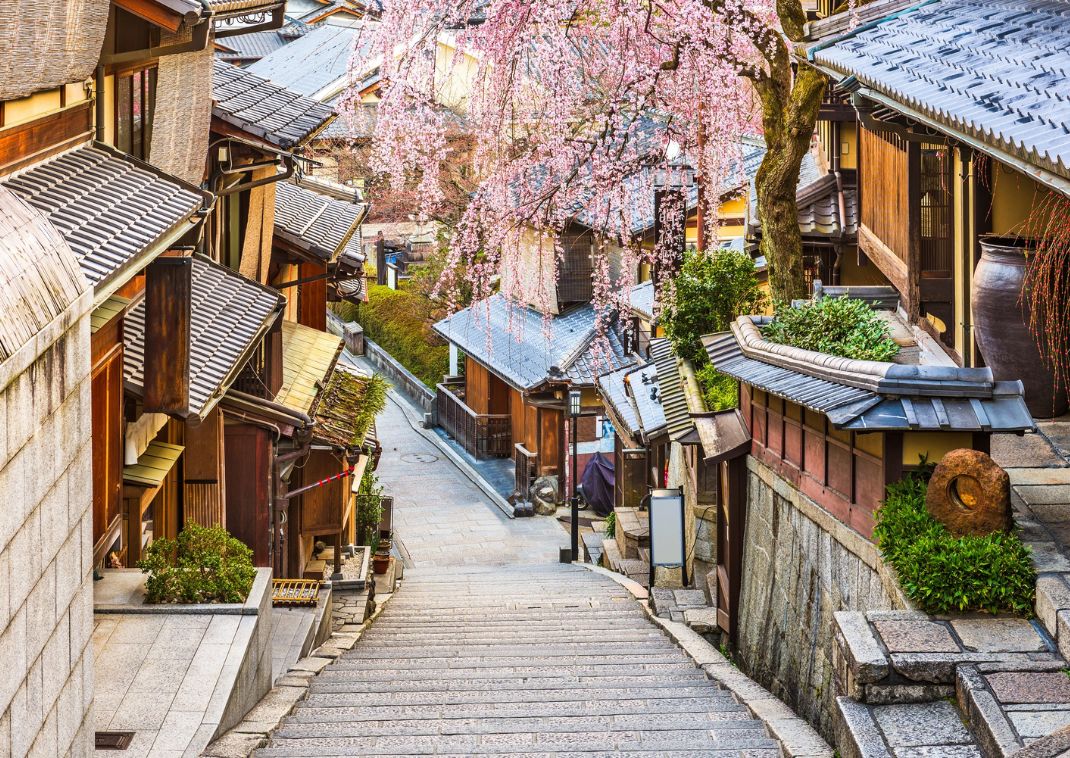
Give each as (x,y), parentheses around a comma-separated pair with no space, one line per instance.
(516,660)
(628,551)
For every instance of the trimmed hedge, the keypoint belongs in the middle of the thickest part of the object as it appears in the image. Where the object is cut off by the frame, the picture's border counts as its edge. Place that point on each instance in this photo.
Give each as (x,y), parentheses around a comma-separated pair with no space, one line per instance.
(835,325)
(204,565)
(400,322)
(942,573)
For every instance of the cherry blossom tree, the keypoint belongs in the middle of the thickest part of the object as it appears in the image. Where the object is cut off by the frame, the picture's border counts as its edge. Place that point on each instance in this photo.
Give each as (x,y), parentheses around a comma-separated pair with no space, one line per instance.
(571,105)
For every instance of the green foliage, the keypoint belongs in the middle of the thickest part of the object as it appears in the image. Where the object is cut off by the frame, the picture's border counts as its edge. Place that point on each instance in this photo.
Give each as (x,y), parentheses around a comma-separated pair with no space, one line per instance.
(713,288)
(399,321)
(371,405)
(204,565)
(719,391)
(611,524)
(838,326)
(369,509)
(942,573)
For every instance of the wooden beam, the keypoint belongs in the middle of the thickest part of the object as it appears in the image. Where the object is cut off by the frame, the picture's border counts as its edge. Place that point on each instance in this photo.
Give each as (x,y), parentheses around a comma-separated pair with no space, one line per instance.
(168,296)
(890,264)
(913,230)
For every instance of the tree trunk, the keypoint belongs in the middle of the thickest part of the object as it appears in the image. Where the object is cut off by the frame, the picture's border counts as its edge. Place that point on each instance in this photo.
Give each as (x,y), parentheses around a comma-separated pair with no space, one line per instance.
(789,114)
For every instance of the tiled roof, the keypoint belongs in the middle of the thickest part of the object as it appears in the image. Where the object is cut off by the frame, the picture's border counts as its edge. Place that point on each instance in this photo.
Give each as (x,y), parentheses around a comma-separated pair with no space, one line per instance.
(998,71)
(645,392)
(251,46)
(641,299)
(866,13)
(318,224)
(521,346)
(275,114)
(342,402)
(237,7)
(317,61)
(361,125)
(939,400)
(110,208)
(308,355)
(230,316)
(614,392)
(672,395)
(39,275)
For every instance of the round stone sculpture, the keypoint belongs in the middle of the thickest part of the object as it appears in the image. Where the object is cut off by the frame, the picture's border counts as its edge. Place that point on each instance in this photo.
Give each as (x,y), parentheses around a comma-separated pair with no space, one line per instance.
(970,494)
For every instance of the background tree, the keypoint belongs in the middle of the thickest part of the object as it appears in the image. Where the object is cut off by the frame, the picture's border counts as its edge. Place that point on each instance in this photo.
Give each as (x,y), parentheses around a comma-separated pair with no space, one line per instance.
(571,104)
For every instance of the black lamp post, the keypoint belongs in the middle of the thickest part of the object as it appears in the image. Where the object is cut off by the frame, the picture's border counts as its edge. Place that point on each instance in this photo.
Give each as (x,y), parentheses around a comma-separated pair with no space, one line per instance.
(574,501)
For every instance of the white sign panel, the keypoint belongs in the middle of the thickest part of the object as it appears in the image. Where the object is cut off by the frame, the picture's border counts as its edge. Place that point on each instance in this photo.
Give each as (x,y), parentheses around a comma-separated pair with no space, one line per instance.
(666,528)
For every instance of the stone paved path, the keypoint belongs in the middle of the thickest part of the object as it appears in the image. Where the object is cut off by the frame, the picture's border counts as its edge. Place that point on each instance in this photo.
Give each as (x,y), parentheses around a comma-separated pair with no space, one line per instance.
(490,647)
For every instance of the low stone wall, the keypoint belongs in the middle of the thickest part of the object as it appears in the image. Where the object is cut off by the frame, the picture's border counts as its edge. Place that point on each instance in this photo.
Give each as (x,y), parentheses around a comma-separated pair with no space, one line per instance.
(400,376)
(800,566)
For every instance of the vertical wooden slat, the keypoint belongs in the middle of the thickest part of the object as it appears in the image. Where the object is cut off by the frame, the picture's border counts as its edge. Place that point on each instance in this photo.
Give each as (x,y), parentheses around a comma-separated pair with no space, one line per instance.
(168,291)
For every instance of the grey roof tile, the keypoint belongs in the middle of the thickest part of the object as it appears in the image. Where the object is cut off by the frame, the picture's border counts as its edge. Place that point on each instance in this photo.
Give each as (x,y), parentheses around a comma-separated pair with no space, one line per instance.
(641,299)
(614,391)
(109,207)
(644,388)
(253,46)
(998,71)
(318,223)
(275,114)
(521,346)
(671,381)
(317,61)
(229,316)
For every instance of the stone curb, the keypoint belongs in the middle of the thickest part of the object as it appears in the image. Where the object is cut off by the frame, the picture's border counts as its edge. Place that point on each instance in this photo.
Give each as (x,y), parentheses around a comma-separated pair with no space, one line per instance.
(797,738)
(500,502)
(260,723)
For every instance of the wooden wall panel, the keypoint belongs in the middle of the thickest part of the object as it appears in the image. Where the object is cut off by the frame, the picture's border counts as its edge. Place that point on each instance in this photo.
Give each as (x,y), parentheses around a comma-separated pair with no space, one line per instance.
(168,303)
(549,441)
(33,141)
(497,395)
(203,464)
(476,388)
(884,191)
(248,459)
(323,508)
(312,298)
(107,429)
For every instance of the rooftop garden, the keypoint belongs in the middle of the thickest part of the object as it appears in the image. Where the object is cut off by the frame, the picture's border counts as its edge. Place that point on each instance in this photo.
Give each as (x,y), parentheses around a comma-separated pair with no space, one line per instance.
(839,326)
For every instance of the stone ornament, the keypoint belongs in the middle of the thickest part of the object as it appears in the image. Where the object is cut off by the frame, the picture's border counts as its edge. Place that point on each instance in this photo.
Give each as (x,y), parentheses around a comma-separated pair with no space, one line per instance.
(970,494)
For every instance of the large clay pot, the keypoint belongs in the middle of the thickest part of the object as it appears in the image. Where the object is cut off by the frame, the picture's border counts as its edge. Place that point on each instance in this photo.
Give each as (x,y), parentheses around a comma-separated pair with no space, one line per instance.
(1001,324)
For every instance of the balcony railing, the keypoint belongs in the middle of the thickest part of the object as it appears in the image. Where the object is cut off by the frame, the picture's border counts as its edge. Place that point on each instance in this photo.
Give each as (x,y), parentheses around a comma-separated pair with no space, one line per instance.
(525,466)
(481,435)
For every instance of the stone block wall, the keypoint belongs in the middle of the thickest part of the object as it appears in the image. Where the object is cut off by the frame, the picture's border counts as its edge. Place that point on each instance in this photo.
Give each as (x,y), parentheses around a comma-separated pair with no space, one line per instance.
(46,547)
(800,566)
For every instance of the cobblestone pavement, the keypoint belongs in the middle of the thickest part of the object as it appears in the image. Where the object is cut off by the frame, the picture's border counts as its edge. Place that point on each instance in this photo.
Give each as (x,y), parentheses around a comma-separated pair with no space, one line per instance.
(518,660)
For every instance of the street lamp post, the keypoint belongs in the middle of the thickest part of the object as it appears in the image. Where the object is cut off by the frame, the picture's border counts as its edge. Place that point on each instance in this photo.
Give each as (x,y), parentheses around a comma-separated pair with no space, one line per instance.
(574,501)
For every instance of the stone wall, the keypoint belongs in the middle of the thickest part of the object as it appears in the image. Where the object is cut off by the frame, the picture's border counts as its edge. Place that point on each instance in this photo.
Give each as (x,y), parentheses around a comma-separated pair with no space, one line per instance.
(46,543)
(400,376)
(800,565)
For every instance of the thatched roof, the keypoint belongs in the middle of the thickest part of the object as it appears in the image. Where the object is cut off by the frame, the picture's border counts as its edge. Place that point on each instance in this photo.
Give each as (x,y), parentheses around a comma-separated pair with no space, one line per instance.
(39,274)
(46,43)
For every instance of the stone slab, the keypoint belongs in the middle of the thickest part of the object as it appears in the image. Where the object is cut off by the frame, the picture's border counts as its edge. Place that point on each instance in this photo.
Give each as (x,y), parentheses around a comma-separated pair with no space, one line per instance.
(915,636)
(1036,724)
(867,659)
(1030,687)
(701,620)
(1053,595)
(1052,746)
(1034,476)
(1047,494)
(999,635)
(921,724)
(690,598)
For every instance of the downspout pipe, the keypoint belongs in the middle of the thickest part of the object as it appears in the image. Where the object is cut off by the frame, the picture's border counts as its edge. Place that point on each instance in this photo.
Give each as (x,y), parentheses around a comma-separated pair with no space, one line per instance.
(98,86)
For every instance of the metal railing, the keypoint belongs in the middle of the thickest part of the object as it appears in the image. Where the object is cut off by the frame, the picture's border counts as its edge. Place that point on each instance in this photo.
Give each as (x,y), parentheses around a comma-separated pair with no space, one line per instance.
(525,467)
(481,435)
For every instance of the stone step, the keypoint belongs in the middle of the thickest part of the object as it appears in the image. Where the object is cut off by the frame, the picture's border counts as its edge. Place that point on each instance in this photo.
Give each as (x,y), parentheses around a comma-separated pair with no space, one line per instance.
(394,670)
(513,649)
(479,696)
(353,663)
(721,704)
(508,683)
(482,637)
(468,744)
(641,752)
(721,728)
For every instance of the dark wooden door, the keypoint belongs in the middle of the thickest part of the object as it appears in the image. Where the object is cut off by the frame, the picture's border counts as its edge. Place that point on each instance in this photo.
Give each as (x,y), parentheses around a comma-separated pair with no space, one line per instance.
(248,458)
(731,515)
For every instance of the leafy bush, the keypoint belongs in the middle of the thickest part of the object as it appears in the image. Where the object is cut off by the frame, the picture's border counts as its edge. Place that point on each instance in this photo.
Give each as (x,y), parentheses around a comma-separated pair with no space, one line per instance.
(713,288)
(942,573)
(837,326)
(369,509)
(399,321)
(719,391)
(204,565)
(611,524)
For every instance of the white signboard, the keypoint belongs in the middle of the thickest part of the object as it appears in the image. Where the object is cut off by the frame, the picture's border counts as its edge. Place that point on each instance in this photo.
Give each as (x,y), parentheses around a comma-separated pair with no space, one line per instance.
(666,528)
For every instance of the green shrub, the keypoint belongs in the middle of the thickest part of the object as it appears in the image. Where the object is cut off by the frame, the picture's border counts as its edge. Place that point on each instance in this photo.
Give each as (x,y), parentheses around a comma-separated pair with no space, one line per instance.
(369,509)
(204,565)
(942,573)
(837,326)
(611,525)
(400,321)
(713,288)
(719,391)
